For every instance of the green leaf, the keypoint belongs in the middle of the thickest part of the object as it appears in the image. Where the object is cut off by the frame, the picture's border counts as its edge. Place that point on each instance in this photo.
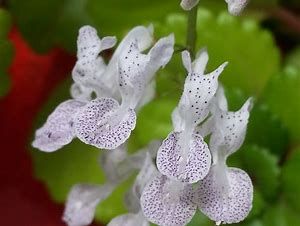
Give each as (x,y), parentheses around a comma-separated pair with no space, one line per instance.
(250,50)
(112,16)
(282,95)
(200,219)
(154,122)
(58,21)
(266,130)
(290,179)
(5,23)
(6,51)
(294,58)
(261,166)
(280,215)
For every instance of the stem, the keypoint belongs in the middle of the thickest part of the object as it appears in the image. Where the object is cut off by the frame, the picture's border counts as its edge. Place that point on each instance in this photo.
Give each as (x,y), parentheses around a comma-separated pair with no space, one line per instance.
(192,31)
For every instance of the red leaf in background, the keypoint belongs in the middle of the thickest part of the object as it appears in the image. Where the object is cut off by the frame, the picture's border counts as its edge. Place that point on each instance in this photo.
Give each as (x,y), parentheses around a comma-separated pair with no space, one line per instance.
(24,200)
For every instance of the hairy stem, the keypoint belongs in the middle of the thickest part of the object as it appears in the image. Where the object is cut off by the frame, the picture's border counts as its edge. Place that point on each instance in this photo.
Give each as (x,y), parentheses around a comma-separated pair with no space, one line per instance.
(192,31)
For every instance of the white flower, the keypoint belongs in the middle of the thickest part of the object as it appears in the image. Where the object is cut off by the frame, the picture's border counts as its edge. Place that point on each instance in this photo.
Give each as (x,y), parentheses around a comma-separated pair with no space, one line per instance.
(184,155)
(225,195)
(128,78)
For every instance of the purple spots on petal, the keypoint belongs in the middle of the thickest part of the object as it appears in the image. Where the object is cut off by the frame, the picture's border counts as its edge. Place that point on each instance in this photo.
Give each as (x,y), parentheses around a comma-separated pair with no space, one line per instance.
(94,125)
(228,207)
(160,209)
(58,129)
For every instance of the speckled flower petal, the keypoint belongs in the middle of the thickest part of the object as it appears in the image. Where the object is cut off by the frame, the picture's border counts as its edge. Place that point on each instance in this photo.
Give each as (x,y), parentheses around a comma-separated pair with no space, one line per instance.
(199,89)
(104,124)
(164,203)
(230,205)
(90,66)
(58,129)
(230,129)
(82,202)
(188,4)
(169,159)
(144,37)
(88,43)
(235,7)
(129,219)
(146,174)
(136,70)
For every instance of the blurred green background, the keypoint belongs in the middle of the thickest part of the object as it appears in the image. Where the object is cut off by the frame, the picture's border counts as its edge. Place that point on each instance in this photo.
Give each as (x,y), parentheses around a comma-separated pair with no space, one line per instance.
(263,49)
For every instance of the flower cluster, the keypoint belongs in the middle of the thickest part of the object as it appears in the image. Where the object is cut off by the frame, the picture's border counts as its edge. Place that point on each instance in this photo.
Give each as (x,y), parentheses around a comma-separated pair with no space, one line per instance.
(188,173)
(121,88)
(223,194)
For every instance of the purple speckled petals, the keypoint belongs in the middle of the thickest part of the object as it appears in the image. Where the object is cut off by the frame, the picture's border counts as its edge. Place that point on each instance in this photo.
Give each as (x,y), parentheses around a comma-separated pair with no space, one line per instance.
(129,219)
(82,202)
(228,203)
(198,159)
(235,7)
(168,204)
(102,123)
(230,129)
(58,129)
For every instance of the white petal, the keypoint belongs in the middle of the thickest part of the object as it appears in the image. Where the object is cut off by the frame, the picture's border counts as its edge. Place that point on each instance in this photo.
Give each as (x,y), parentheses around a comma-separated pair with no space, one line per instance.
(198,92)
(58,129)
(228,207)
(82,202)
(161,53)
(221,98)
(168,204)
(88,43)
(146,174)
(206,128)
(81,93)
(169,159)
(109,162)
(229,130)
(188,4)
(129,219)
(148,95)
(136,70)
(104,124)
(144,37)
(235,7)
(177,120)
(108,42)
(186,60)
(199,65)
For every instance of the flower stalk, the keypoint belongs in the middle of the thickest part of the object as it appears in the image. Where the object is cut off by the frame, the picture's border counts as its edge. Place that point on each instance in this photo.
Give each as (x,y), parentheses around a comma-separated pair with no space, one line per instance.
(191,37)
